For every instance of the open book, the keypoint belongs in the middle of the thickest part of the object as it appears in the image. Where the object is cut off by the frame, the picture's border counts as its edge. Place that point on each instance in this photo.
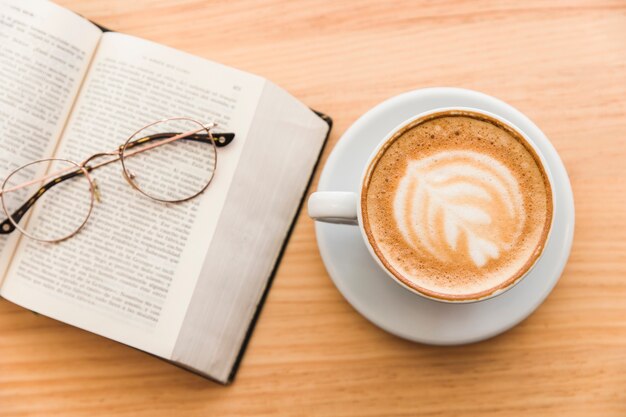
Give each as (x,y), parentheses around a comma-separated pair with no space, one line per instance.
(187,294)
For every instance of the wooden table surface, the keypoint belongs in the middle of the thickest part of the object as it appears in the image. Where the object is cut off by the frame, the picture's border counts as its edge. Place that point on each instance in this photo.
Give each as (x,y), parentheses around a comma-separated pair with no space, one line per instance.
(562,63)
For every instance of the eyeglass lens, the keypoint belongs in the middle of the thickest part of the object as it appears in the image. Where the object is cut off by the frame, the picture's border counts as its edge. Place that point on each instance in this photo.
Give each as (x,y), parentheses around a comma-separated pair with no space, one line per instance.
(66,199)
(173,171)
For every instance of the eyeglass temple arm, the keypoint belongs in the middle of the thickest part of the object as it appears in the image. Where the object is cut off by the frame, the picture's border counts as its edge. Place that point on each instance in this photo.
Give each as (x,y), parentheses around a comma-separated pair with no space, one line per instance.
(220,139)
(7,226)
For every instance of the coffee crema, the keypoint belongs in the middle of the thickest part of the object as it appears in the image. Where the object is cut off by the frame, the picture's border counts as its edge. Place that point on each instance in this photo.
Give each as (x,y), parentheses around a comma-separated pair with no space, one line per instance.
(457,205)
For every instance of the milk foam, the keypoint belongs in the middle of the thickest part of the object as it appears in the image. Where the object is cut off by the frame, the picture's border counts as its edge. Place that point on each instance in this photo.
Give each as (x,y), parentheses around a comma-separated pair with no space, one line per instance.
(459,203)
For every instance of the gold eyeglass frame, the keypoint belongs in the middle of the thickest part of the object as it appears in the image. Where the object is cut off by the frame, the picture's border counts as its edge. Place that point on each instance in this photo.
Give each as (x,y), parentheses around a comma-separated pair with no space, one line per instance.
(120,154)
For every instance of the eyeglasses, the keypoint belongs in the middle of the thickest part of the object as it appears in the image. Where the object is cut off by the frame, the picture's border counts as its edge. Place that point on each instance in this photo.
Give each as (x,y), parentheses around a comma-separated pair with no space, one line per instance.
(169,161)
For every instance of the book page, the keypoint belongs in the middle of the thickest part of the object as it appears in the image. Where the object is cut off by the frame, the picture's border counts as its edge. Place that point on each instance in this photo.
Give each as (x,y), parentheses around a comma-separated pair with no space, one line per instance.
(129,275)
(284,144)
(44,53)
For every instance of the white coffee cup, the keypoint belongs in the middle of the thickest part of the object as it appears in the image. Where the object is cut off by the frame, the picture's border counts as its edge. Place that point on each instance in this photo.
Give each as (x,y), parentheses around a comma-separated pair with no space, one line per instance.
(342,207)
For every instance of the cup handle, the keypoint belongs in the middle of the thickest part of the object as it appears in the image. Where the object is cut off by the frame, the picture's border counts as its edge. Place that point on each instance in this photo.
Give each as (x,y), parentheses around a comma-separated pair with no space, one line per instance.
(337,207)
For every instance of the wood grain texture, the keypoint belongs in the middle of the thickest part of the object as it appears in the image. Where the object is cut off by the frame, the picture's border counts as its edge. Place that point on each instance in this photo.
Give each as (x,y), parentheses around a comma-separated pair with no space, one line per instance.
(562,63)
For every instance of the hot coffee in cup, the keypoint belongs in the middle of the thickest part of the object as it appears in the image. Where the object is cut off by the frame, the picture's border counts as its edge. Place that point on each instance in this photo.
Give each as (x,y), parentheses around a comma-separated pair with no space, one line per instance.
(456,205)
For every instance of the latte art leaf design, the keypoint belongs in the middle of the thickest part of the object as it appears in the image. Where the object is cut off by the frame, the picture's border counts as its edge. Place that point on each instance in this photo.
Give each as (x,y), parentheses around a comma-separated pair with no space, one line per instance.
(459,206)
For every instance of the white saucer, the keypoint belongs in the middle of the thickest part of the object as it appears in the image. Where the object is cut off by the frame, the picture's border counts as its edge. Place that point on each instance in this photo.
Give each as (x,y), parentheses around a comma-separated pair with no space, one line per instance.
(384,302)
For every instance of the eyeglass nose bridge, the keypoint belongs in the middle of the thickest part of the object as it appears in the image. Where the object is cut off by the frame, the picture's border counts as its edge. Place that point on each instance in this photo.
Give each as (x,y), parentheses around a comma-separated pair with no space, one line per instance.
(117,153)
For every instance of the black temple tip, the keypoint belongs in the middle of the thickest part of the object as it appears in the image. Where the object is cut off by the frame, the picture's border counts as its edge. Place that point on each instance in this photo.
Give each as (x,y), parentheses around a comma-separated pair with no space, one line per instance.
(223,139)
